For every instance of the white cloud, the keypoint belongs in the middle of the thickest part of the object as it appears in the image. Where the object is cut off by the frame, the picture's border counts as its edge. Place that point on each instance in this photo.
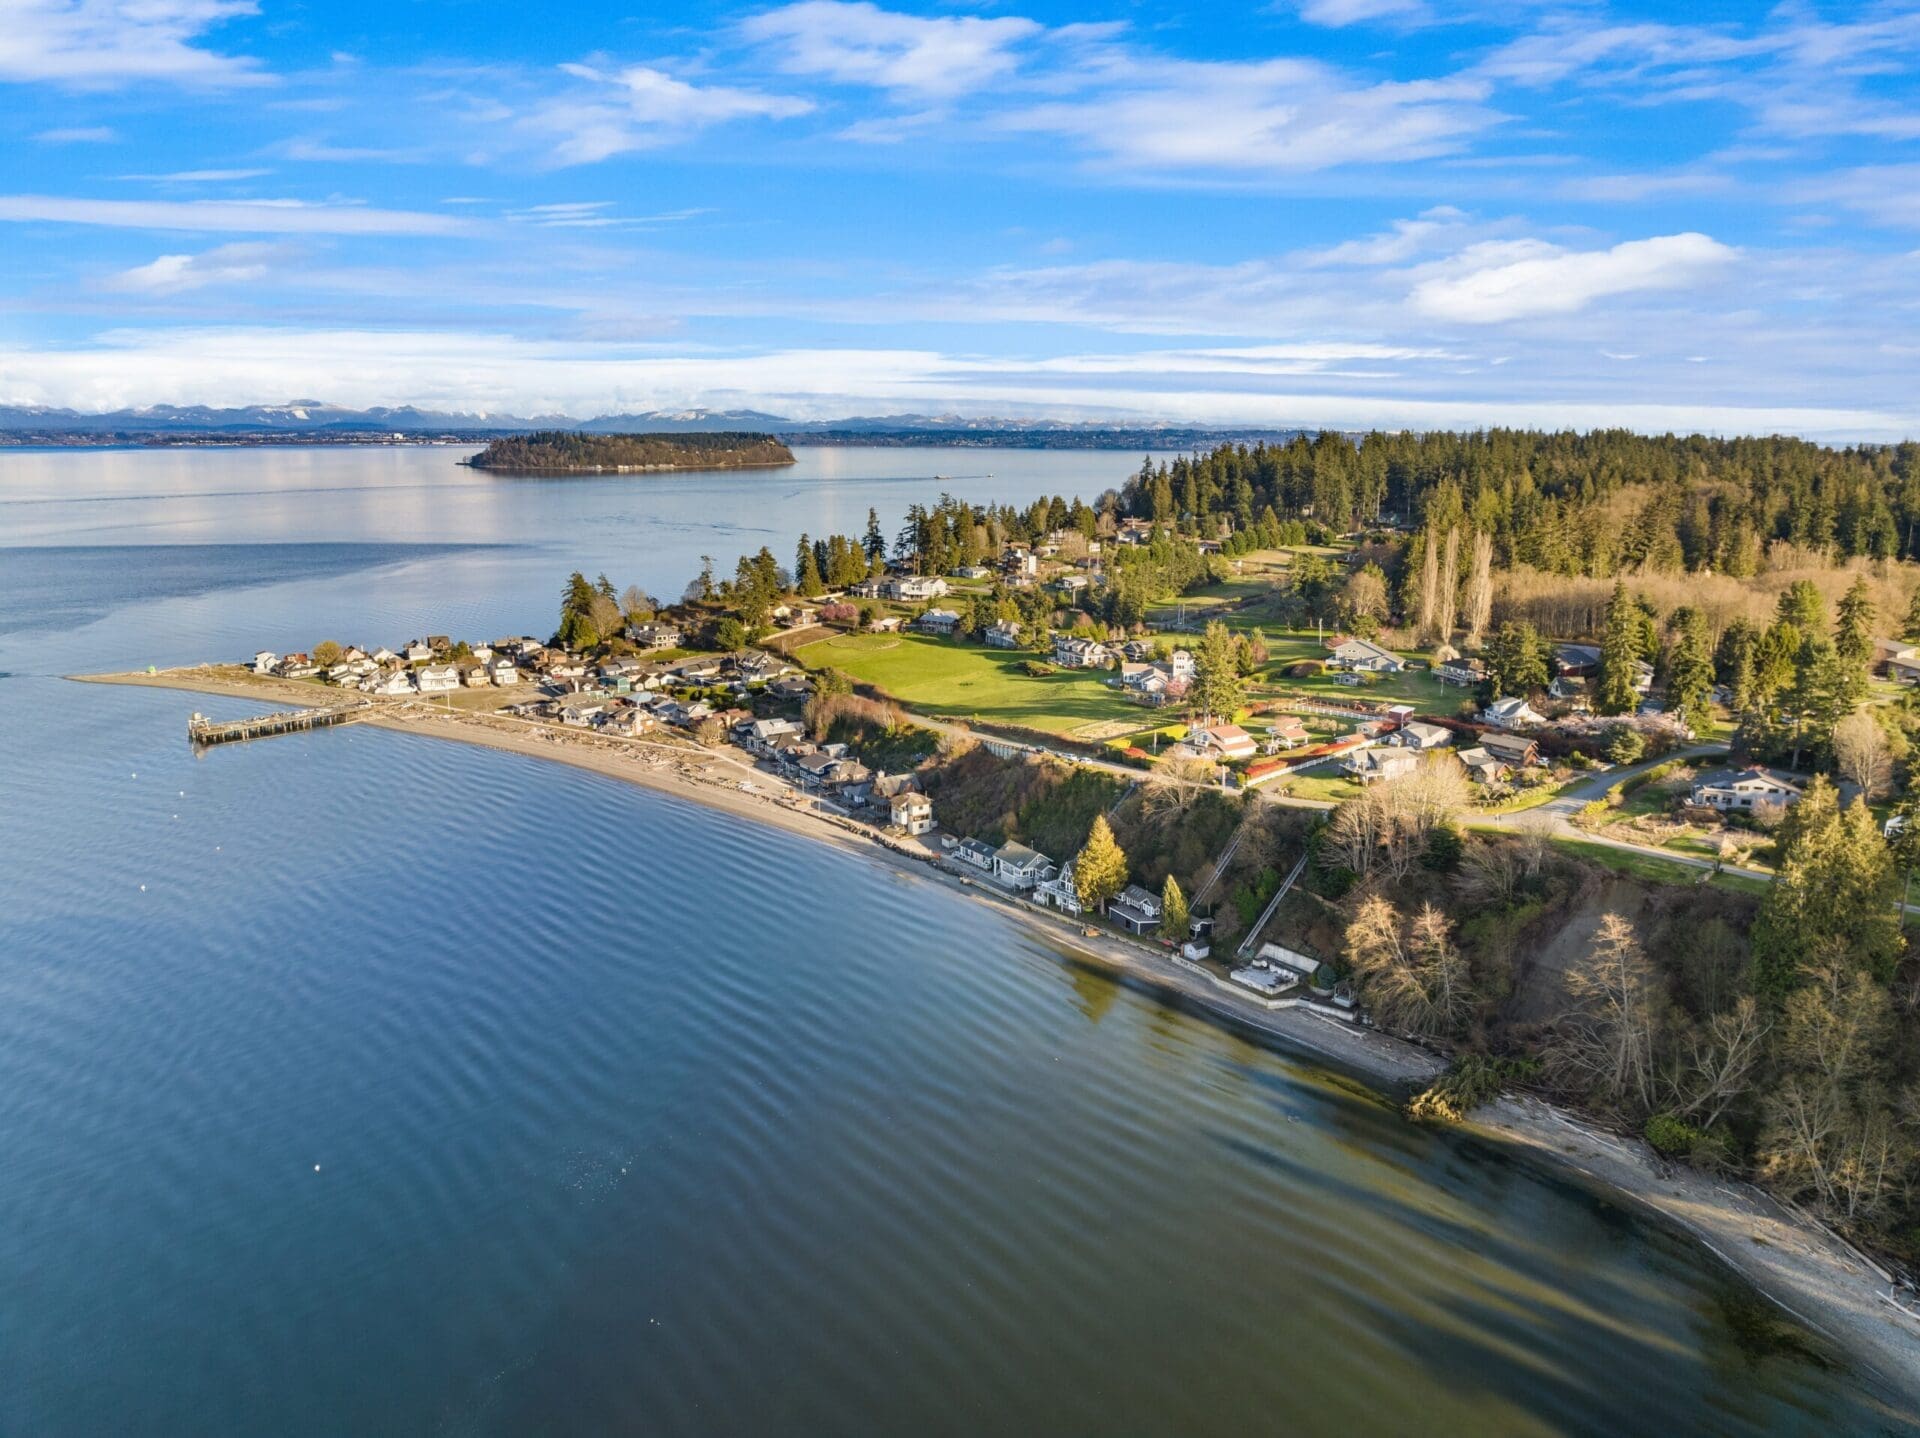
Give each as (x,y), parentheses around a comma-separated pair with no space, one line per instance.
(853,42)
(264,217)
(172,274)
(1274,116)
(1886,194)
(79,135)
(199,177)
(1336,14)
(105,42)
(640,107)
(1500,280)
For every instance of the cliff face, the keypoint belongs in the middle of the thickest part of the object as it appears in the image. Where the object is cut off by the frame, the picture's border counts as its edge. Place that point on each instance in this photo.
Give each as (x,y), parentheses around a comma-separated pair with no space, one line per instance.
(570,452)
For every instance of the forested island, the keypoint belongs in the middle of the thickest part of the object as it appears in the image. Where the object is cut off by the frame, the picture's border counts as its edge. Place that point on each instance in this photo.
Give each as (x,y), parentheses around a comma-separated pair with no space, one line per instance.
(559,451)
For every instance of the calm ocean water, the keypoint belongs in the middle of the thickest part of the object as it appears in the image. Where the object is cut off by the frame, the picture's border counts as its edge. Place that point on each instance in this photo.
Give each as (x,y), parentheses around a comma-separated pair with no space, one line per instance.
(359,1083)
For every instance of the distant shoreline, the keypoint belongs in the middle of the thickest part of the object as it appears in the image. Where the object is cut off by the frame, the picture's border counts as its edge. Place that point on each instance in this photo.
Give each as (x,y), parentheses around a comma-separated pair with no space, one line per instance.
(1819,1280)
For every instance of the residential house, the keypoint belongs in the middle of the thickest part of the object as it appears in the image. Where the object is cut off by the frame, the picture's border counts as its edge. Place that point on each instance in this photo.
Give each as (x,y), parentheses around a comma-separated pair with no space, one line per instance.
(1418,736)
(938,621)
(505,672)
(885,624)
(1746,789)
(974,854)
(1021,868)
(384,656)
(910,812)
(1287,731)
(1511,713)
(972,571)
(1367,765)
(1004,634)
(1462,672)
(418,651)
(916,588)
(1019,562)
(1483,767)
(761,733)
(475,676)
(440,643)
(1577,661)
(627,721)
(264,661)
(1145,682)
(1223,741)
(1364,656)
(1569,689)
(391,683)
(1060,891)
(439,679)
(756,666)
(579,711)
(1072,653)
(1179,665)
(1904,668)
(1515,750)
(1072,584)
(1135,909)
(791,687)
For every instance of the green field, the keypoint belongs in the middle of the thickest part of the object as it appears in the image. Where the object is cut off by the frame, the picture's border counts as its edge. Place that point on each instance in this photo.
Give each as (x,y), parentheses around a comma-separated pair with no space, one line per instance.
(960,680)
(1656,870)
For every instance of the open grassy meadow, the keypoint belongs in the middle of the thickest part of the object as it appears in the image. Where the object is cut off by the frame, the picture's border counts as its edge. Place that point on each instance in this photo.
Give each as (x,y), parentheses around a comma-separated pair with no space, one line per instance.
(960,680)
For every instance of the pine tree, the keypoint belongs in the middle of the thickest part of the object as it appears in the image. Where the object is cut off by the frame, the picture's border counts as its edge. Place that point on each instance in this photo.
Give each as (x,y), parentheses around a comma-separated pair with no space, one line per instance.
(1516,661)
(1173,911)
(1690,675)
(1100,871)
(806,571)
(1853,628)
(1833,902)
(1620,654)
(876,541)
(1217,688)
(1912,626)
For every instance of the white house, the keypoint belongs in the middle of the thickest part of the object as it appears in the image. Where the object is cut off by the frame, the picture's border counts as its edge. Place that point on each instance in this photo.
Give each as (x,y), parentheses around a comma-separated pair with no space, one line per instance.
(264,661)
(505,672)
(915,588)
(1004,634)
(1511,713)
(418,652)
(655,635)
(939,621)
(1367,765)
(1072,653)
(1415,735)
(1744,789)
(974,854)
(1465,673)
(911,812)
(1364,655)
(397,682)
(438,679)
(1060,891)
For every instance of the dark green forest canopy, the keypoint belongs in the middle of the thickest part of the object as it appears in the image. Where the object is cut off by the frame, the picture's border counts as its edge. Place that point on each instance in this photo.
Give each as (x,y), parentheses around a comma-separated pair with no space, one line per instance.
(1564,503)
(561,451)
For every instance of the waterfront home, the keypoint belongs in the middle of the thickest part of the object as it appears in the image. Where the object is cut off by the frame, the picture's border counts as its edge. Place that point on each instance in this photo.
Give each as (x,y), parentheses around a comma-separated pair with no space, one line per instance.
(264,661)
(1367,765)
(438,679)
(916,588)
(761,733)
(1073,653)
(1021,868)
(910,813)
(417,651)
(1060,891)
(439,643)
(655,634)
(974,854)
(475,676)
(504,671)
(1511,713)
(578,711)
(1223,741)
(1483,767)
(384,656)
(1004,634)
(1135,909)
(1363,656)
(938,621)
(394,683)
(1516,750)
(1415,735)
(627,721)
(1464,673)
(1754,787)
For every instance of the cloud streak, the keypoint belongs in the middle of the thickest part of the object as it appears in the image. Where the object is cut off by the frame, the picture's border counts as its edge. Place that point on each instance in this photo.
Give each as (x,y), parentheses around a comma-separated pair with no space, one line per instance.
(99,43)
(1497,282)
(263,217)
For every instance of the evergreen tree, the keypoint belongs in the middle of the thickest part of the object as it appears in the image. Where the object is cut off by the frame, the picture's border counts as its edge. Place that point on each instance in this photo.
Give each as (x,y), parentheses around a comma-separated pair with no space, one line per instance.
(876,541)
(1690,675)
(806,571)
(1853,627)
(1516,660)
(1801,606)
(1217,688)
(1620,655)
(1173,911)
(1912,626)
(1100,871)
(1833,902)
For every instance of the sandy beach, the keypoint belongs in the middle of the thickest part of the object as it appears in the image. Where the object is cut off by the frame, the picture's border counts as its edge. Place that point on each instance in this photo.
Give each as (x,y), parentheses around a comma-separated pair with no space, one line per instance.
(1794,1261)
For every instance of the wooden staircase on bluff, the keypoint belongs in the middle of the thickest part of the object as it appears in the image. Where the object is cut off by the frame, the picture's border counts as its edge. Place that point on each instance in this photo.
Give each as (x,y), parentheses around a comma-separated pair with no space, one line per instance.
(202,730)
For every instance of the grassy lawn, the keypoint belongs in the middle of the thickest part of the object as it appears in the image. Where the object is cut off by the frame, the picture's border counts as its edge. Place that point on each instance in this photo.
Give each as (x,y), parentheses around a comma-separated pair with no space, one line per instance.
(1417,687)
(1653,869)
(1322,781)
(940,676)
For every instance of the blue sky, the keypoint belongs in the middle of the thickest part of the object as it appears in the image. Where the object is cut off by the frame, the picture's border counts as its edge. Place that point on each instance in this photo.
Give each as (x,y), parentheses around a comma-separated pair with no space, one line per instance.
(1349,212)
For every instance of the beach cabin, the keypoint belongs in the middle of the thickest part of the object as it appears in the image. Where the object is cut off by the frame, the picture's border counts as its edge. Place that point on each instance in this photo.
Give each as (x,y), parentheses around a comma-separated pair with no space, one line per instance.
(1136,910)
(910,813)
(1021,868)
(439,679)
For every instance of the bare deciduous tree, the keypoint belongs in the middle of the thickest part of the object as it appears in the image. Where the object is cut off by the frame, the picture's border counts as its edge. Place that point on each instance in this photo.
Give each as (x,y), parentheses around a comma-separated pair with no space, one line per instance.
(1480,590)
(1861,749)
(1449,597)
(1605,1044)
(1712,1068)
(1419,983)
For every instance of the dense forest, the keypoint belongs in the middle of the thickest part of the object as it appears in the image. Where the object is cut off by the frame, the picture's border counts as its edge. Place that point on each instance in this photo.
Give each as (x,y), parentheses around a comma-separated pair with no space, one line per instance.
(1567,504)
(560,451)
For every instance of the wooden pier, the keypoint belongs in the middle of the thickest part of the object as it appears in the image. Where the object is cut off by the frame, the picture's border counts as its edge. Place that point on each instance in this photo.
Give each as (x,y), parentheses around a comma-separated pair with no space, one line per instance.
(202,730)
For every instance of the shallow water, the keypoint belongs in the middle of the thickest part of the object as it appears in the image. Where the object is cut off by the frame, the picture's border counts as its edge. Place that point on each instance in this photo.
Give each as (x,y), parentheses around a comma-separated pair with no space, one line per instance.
(357,1082)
